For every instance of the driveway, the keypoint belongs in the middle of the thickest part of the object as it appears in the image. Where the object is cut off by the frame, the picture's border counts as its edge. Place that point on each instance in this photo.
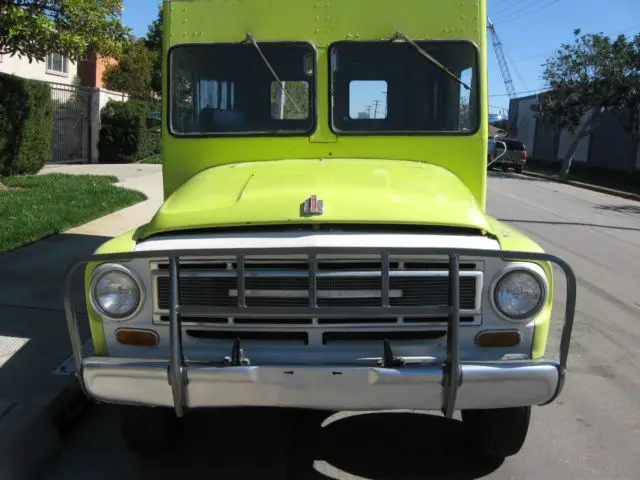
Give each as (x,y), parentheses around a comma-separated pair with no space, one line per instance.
(33,336)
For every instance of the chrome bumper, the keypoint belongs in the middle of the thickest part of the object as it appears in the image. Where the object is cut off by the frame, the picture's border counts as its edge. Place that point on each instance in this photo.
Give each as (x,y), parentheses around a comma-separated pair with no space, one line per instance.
(448,386)
(510,384)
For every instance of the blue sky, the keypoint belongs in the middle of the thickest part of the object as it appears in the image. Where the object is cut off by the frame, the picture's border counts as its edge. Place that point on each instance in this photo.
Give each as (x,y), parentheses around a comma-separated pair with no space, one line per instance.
(530,30)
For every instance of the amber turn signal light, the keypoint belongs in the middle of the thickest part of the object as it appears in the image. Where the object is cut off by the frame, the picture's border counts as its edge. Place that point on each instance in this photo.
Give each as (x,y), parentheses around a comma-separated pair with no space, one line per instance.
(141,338)
(498,338)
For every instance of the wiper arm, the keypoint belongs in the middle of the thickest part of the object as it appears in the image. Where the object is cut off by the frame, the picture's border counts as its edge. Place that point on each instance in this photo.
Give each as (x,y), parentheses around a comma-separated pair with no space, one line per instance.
(402,36)
(273,72)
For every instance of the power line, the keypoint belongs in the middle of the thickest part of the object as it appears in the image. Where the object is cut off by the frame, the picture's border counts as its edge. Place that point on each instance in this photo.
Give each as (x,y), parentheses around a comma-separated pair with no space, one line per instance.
(518,14)
(548,54)
(539,90)
(509,7)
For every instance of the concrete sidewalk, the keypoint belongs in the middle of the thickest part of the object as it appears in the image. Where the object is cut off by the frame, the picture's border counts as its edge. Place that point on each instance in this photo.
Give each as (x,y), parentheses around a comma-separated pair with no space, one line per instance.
(617,192)
(34,340)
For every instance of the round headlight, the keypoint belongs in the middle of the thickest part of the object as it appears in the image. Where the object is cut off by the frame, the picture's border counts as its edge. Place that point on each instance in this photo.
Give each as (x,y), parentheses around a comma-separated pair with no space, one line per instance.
(519,294)
(115,292)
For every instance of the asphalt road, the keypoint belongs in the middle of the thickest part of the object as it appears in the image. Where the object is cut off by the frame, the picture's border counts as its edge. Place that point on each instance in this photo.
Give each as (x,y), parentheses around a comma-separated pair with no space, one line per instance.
(591,432)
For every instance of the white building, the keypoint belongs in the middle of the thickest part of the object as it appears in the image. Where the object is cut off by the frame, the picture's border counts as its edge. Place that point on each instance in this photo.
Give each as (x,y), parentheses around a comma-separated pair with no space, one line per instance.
(56,69)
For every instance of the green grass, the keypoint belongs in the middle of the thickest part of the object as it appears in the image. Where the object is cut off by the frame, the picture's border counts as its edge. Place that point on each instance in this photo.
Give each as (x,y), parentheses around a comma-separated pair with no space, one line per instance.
(152,159)
(52,203)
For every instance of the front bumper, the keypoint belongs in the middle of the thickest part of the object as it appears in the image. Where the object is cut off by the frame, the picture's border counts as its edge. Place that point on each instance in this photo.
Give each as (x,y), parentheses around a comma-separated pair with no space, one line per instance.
(448,386)
(491,385)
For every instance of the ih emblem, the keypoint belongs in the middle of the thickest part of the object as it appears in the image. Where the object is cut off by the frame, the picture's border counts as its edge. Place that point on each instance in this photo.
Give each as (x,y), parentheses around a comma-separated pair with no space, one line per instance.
(313,206)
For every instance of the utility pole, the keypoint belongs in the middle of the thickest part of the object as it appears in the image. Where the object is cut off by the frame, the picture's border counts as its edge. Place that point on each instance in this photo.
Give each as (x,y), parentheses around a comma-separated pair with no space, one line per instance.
(375,108)
(386,104)
(368,111)
(281,100)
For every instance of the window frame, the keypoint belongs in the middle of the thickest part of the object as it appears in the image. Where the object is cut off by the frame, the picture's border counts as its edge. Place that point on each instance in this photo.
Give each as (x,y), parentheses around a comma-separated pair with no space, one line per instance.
(313,98)
(475,90)
(64,62)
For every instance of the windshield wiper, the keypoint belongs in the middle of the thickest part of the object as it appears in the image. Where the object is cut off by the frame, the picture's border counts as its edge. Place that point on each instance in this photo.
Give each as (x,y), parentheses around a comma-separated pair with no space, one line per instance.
(273,72)
(402,36)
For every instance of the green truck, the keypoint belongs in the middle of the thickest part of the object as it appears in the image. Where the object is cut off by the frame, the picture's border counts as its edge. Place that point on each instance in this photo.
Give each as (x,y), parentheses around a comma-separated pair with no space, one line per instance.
(323,242)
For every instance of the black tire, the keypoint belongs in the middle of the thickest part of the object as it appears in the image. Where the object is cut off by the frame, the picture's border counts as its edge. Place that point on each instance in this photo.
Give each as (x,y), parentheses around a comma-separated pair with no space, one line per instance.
(505,168)
(518,169)
(148,431)
(498,433)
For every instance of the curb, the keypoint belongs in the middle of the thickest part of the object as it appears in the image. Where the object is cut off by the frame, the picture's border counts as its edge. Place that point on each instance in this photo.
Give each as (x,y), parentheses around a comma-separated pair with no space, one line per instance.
(586,186)
(31,434)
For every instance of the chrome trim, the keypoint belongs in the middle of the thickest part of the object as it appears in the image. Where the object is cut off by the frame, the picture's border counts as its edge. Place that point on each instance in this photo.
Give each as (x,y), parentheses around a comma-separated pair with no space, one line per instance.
(101,270)
(303,274)
(319,293)
(332,387)
(183,384)
(537,273)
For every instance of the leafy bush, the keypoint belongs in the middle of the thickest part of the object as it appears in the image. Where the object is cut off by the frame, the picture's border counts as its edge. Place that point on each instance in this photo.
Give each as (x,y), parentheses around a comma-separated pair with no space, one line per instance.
(125,136)
(26,125)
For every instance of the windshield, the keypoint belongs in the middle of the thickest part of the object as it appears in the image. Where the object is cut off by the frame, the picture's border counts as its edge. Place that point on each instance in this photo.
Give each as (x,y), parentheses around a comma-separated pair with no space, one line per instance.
(389,87)
(227,89)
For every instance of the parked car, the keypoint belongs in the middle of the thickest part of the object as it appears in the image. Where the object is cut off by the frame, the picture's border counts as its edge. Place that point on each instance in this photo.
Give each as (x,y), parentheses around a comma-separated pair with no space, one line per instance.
(515,157)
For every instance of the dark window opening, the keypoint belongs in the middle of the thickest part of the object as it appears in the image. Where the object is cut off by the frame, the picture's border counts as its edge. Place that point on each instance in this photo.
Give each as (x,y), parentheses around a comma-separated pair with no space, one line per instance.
(226,89)
(385,87)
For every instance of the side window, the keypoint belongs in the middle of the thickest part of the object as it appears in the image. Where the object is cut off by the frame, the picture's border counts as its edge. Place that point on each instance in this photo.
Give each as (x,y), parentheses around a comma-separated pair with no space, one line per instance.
(295,105)
(368,99)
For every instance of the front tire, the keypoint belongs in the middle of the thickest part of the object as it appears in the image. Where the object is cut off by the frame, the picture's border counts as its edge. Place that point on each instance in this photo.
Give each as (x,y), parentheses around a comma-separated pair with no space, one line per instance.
(497,432)
(148,431)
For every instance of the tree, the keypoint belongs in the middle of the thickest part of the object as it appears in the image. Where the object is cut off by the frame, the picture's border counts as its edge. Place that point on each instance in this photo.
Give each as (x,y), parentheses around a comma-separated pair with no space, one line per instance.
(154,39)
(36,28)
(133,74)
(587,77)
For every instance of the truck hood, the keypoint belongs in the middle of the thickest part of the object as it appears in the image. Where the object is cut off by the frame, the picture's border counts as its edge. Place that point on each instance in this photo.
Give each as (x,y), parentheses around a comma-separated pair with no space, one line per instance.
(356,191)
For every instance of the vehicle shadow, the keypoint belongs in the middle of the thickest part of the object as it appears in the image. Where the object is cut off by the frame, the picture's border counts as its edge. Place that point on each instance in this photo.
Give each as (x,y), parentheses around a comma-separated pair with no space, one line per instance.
(394,445)
(279,444)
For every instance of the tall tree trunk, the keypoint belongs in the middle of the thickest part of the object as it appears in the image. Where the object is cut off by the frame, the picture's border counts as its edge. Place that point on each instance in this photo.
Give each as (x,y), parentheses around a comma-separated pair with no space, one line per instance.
(594,115)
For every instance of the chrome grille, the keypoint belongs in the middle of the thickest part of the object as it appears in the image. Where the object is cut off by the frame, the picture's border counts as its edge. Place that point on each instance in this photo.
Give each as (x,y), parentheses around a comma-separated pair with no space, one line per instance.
(339,283)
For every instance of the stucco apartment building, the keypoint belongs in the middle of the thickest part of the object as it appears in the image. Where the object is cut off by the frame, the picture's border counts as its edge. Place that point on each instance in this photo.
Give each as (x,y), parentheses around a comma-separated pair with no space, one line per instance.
(59,69)
(78,95)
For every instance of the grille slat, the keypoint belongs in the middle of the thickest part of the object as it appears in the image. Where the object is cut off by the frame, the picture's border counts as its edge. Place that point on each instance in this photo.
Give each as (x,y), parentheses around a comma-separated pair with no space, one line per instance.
(339,283)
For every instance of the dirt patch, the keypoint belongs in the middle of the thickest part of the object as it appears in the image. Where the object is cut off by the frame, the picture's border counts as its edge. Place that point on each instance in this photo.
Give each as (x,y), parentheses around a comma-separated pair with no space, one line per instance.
(11,189)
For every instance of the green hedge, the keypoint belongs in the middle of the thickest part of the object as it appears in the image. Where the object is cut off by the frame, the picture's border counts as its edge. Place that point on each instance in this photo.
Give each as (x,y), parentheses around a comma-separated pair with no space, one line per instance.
(125,136)
(26,125)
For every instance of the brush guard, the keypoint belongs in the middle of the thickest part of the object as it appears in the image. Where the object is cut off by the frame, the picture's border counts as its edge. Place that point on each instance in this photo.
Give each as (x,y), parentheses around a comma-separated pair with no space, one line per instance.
(452,368)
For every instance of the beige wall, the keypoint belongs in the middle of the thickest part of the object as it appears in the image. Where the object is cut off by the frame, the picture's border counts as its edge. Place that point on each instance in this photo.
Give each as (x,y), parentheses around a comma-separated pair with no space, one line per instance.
(36,70)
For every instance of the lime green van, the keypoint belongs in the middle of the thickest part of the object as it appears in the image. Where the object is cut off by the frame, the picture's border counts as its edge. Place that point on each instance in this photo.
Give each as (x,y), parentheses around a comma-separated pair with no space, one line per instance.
(323,242)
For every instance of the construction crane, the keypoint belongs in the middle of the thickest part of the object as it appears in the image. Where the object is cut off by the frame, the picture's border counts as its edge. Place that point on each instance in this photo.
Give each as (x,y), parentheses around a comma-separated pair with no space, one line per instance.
(502,61)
